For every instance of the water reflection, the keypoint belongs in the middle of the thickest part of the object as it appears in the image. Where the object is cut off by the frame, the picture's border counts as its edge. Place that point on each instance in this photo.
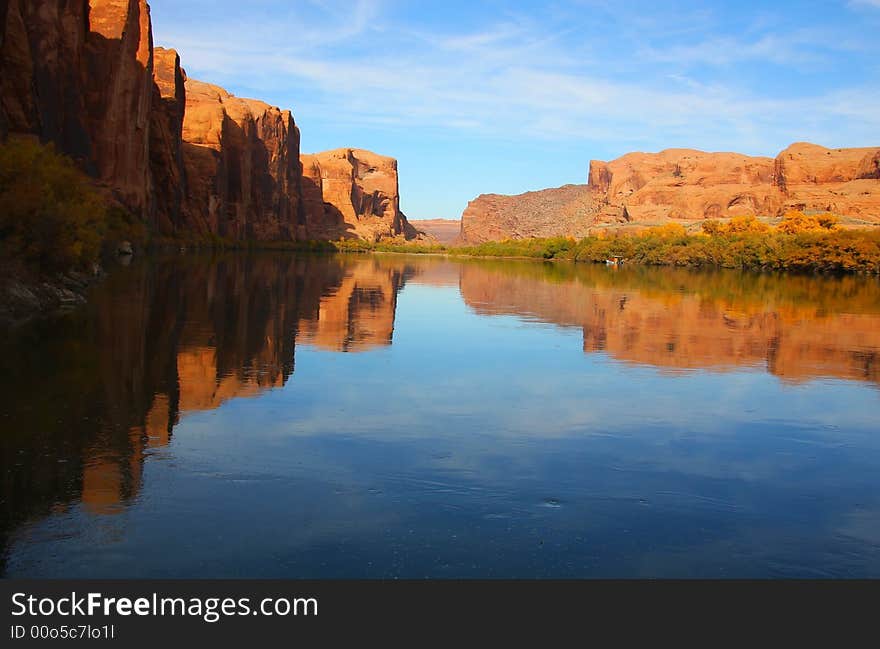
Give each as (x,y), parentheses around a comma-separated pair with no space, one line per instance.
(86,397)
(87,400)
(795,327)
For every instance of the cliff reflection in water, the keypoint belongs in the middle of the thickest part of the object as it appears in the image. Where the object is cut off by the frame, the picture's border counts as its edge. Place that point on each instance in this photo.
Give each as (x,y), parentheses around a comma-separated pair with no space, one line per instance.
(795,327)
(95,392)
(86,399)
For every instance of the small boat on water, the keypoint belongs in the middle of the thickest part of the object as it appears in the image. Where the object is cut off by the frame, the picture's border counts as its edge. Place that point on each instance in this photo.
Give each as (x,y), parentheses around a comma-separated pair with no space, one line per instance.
(614,261)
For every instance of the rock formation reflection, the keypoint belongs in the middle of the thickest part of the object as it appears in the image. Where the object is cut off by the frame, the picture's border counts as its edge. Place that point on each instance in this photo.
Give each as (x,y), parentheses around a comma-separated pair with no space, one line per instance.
(97,391)
(795,327)
(86,398)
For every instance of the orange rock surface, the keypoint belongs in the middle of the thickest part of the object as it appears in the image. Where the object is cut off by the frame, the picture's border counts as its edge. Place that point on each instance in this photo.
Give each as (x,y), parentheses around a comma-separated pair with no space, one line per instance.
(687,185)
(242,165)
(352,194)
(166,142)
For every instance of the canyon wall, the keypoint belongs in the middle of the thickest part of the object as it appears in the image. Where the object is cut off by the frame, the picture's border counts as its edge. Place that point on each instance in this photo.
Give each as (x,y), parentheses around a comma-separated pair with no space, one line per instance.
(42,54)
(166,142)
(187,157)
(352,193)
(241,161)
(688,185)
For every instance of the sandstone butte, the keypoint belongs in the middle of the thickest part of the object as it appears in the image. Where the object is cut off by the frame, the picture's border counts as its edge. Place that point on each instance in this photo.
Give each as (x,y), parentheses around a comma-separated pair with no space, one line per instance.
(687,185)
(352,194)
(187,157)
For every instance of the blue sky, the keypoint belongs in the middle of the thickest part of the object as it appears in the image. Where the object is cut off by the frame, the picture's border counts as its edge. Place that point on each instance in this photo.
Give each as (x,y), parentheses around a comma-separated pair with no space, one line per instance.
(479,97)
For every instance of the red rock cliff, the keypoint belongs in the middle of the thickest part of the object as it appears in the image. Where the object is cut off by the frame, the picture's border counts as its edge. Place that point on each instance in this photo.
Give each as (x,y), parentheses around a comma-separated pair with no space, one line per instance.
(352,193)
(42,50)
(684,184)
(84,75)
(166,142)
(118,80)
(241,159)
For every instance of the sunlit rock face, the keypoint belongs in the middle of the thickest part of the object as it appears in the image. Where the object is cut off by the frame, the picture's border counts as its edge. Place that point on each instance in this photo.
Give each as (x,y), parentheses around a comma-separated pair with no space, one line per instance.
(687,185)
(119,91)
(683,327)
(682,184)
(166,142)
(842,181)
(241,159)
(566,211)
(352,194)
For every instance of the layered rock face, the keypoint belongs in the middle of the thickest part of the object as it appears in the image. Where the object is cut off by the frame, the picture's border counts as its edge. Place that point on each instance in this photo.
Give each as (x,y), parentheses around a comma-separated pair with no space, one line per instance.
(241,160)
(78,74)
(352,193)
(187,157)
(688,185)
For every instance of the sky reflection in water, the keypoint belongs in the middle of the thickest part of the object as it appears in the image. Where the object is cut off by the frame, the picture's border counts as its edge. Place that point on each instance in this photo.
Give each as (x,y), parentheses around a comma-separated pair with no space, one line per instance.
(279,416)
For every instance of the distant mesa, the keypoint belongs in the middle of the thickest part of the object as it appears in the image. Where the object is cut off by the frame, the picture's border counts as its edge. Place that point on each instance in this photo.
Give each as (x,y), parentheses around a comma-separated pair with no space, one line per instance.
(442,230)
(687,185)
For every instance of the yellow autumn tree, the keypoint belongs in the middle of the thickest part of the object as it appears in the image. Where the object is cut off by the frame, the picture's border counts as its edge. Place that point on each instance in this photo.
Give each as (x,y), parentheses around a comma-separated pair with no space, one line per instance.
(796,221)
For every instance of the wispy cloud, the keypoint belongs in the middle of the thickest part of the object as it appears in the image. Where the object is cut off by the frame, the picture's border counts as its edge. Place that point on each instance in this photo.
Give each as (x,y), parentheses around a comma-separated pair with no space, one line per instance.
(514,76)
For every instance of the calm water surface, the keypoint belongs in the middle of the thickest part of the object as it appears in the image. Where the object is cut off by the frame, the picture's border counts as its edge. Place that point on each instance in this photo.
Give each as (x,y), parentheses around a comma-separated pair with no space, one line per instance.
(291,416)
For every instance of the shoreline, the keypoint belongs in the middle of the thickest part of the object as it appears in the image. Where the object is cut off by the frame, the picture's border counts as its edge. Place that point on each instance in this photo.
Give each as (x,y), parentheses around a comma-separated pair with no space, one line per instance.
(26,294)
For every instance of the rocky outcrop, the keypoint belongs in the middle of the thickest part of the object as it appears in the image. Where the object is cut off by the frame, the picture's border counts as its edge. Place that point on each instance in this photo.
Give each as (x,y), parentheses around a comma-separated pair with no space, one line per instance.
(352,194)
(681,184)
(187,157)
(241,159)
(869,167)
(79,74)
(566,211)
(166,142)
(842,181)
(688,185)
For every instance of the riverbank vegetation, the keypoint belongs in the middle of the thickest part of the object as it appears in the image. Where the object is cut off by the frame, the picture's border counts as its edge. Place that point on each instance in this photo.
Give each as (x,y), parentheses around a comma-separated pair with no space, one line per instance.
(801,242)
(51,217)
